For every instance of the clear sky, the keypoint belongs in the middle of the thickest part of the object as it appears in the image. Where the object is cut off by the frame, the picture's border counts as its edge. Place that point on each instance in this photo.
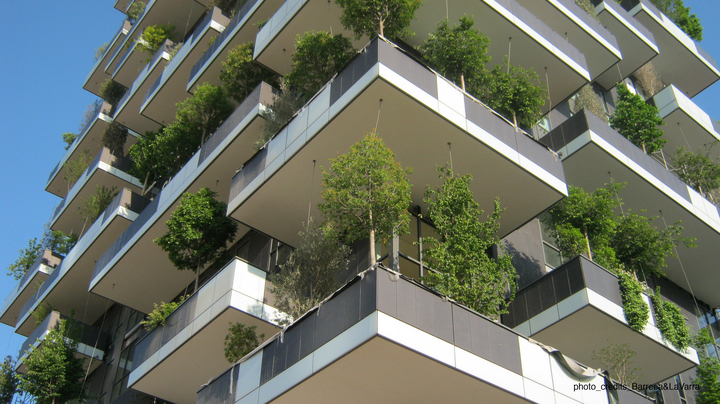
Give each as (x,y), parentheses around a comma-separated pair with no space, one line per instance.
(46,52)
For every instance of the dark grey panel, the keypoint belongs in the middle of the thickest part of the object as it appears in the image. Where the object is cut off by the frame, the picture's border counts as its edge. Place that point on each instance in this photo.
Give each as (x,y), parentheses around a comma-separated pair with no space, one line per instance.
(487,339)
(504,348)
(561,284)
(566,132)
(547,293)
(521,310)
(539,154)
(368,294)
(352,72)
(461,328)
(534,306)
(268,360)
(631,397)
(434,315)
(217,392)
(404,65)
(575,276)
(338,314)
(386,295)
(601,281)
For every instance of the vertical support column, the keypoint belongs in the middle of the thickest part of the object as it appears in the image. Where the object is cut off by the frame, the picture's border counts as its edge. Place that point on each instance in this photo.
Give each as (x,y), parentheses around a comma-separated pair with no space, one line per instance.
(394,253)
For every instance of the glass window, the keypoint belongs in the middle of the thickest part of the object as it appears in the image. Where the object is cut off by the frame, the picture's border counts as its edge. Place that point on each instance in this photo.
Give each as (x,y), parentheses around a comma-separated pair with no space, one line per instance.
(409,268)
(408,241)
(553,258)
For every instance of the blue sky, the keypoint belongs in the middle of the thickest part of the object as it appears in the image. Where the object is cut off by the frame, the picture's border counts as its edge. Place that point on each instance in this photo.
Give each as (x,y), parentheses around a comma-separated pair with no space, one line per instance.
(47,50)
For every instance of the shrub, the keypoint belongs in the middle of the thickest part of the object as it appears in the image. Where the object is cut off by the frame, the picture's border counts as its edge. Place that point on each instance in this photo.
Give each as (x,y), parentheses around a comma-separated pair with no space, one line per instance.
(636,310)
(671,322)
(638,121)
(96,204)
(42,311)
(699,170)
(100,50)
(514,93)
(588,99)
(76,167)
(153,37)
(241,74)
(114,138)
(278,114)
(68,138)
(617,359)
(240,341)
(648,79)
(27,257)
(160,313)
(135,11)
(112,92)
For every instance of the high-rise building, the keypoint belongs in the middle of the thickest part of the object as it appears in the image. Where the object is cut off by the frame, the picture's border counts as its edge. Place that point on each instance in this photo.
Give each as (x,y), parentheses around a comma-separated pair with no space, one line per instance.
(383,336)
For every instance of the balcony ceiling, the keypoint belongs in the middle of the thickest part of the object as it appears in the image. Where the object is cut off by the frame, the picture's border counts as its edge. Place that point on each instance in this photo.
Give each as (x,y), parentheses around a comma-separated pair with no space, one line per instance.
(12,309)
(98,75)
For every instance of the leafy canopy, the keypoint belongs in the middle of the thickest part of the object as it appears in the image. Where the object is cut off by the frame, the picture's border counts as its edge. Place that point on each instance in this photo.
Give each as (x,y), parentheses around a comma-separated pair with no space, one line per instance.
(240,74)
(462,266)
(160,313)
(310,273)
(114,138)
(459,53)
(112,92)
(27,257)
(637,312)
(318,56)
(153,37)
(366,193)
(240,341)
(638,121)
(676,11)
(699,170)
(54,373)
(68,138)
(55,241)
(204,112)
(8,380)
(514,93)
(387,18)
(671,322)
(96,204)
(198,232)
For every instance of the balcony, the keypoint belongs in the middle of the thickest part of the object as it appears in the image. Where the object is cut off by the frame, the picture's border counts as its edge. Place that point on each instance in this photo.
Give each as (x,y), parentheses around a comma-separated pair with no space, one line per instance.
(169,88)
(241,29)
(593,154)
(236,294)
(539,46)
(384,338)
(98,75)
(43,266)
(421,113)
(128,109)
(637,44)
(106,170)
(183,14)
(134,271)
(696,72)
(123,5)
(577,309)
(686,124)
(67,287)
(589,36)
(90,140)
(92,342)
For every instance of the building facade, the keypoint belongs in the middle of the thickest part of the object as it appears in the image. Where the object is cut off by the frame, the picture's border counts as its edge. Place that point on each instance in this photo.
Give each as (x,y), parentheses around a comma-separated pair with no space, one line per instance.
(383,336)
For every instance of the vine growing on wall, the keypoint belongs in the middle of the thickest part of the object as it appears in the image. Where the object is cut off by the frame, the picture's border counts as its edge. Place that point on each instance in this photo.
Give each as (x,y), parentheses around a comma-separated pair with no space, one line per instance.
(671,322)
(636,311)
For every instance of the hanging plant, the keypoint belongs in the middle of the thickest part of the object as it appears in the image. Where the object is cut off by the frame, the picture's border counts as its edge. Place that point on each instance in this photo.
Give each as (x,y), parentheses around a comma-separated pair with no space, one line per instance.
(671,322)
(636,311)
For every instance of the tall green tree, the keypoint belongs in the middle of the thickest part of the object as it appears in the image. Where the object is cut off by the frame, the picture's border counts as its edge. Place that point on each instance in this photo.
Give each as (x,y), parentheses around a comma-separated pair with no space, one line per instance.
(638,121)
(699,170)
(366,193)
(514,93)
(198,232)
(27,257)
(58,242)
(387,18)
(459,52)
(462,267)
(153,156)
(54,373)
(680,15)
(8,380)
(240,74)
(310,273)
(240,341)
(708,373)
(114,138)
(318,56)
(204,112)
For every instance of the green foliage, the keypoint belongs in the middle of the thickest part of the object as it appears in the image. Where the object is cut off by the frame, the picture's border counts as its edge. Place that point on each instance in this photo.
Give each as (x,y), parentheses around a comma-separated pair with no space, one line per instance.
(463,269)
(707,379)
(318,56)
(96,204)
(58,242)
(68,138)
(589,8)
(310,273)
(514,93)
(636,310)
(458,53)
(198,232)
(588,99)
(387,18)
(240,341)
(153,156)
(279,113)
(617,359)
(201,114)
(153,38)
(160,313)
(114,138)
(54,373)
(583,223)
(112,92)
(366,193)
(100,50)
(8,380)
(699,170)
(230,7)
(42,311)
(676,11)
(643,248)
(637,121)
(135,11)
(27,257)
(671,322)
(76,167)
(240,74)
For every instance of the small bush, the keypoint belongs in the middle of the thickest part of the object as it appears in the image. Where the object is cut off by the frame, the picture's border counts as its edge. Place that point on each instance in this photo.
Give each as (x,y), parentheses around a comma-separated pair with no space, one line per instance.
(161,312)
(588,99)
(636,311)
(42,311)
(153,37)
(278,114)
(68,138)
(240,341)
(100,50)
(649,80)
(112,92)
(135,11)
(96,204)
(74,168)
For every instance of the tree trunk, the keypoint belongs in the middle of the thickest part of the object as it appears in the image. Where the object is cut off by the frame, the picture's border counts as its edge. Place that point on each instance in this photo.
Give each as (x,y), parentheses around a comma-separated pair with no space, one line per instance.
(381,28)
(372,243)
(462,81)
(515,120)
(587,241)
(643,147)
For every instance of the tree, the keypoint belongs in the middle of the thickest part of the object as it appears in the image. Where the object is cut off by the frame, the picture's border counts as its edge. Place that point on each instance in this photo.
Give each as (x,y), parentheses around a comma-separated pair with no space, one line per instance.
(637,121)
(458,53)
(27,257)
(310,273)
(463,269)
(198,232)
(94,205)
(58,242)
(676,11)
(152,156)
(114,138)
(648,79)
(54,373)
(240,74)
(153,38)
(699,170)
(160,313)
(8,380)
(279,113)
(708,372)
(367,193)
(204,112)
(68,138)
(240,341)
(318,56)
(76,167)
(511,91)
(388,18)
(617,359)
(583,223)
(135,11)
(112,92)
